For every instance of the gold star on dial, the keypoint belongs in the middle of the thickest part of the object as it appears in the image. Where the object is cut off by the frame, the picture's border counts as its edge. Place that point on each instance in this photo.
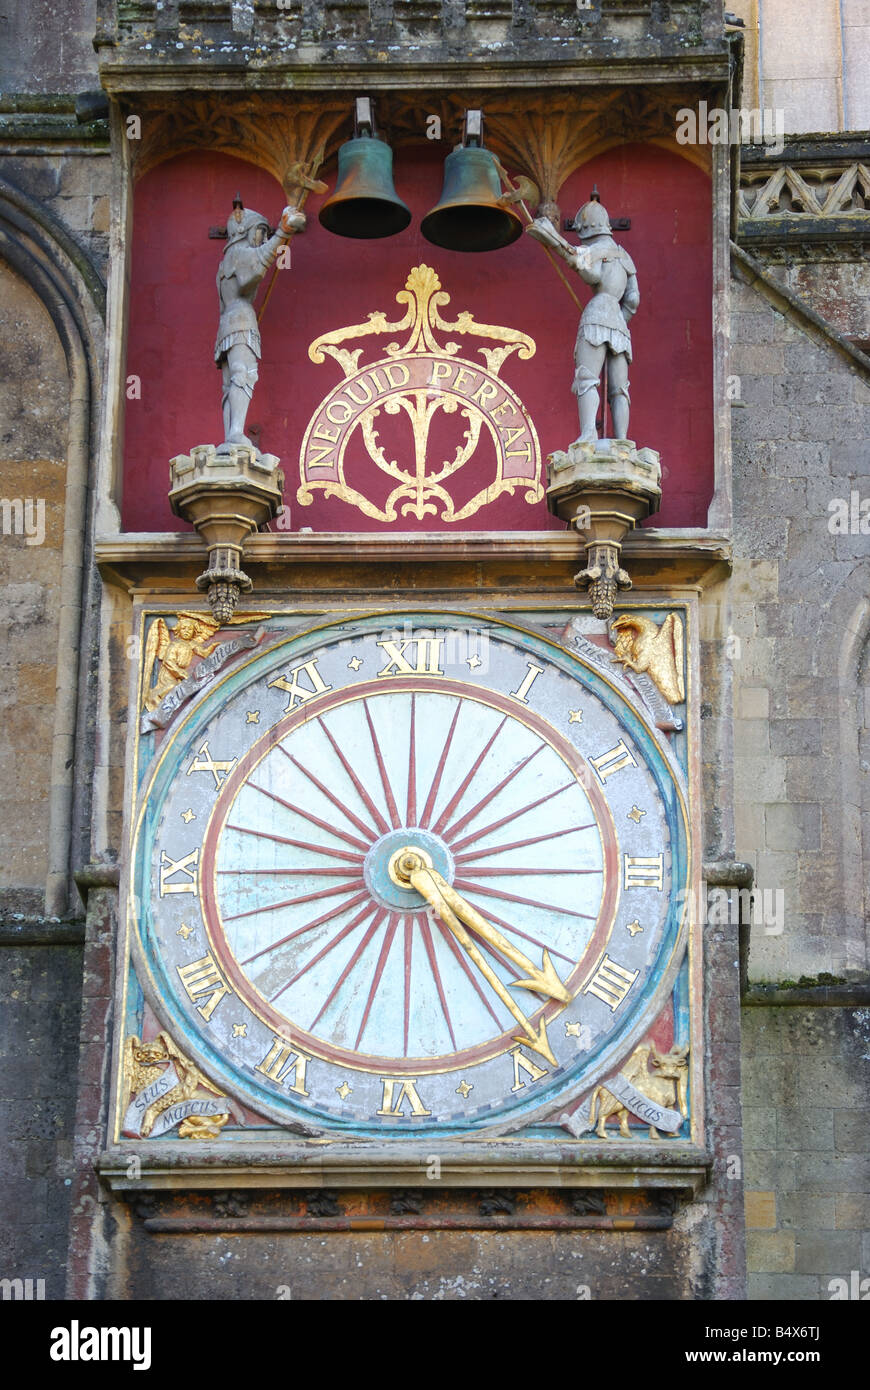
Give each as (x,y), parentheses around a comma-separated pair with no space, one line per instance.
(464,1090)
(344,1090)
(635,814)
(572,1030)
(188,815)
(633,927)
(252,716)
(184,931)
(575,716)
(240,1030)
(353,665)
(472,662)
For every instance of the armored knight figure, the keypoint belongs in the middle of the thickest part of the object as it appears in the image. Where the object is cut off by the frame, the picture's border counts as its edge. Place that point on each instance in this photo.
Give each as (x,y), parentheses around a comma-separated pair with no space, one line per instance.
(249,254)
(603,338)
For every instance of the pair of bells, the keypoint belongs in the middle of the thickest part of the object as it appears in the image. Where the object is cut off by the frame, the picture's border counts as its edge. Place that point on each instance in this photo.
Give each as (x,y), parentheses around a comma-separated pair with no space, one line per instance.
(470,215)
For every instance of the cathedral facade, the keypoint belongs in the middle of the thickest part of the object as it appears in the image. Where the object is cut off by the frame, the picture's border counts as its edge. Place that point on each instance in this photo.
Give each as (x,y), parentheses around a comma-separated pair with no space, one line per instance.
(435,478)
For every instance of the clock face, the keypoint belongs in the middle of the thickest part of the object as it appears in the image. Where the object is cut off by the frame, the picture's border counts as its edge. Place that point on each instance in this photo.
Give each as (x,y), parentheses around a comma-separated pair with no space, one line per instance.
(409,873)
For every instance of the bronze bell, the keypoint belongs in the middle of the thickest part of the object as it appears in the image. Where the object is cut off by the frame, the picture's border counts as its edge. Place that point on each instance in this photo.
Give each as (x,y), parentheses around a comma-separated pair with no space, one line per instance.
(365,203)
(470,214)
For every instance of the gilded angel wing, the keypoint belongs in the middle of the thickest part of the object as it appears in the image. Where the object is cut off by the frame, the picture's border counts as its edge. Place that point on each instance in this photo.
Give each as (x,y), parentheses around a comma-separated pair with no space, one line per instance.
(666,659)
(129,1065)
(155,649)
(637,1065)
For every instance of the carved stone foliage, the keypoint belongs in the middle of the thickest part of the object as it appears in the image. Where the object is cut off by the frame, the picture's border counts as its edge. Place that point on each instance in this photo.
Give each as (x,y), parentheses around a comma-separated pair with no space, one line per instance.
(290,139)
(544,136)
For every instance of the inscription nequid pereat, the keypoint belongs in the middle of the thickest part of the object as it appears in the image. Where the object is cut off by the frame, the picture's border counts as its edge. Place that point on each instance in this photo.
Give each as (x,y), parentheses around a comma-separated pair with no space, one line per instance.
(503,412)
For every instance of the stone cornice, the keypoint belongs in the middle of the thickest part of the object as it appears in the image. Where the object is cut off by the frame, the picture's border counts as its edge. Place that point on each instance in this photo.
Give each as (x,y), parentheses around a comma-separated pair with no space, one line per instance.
(333,44)
(373,563)
(275,1164)
(36,124)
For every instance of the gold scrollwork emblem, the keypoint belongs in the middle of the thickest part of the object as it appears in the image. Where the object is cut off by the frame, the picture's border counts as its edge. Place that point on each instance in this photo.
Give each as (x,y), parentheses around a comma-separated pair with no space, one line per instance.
(419,378)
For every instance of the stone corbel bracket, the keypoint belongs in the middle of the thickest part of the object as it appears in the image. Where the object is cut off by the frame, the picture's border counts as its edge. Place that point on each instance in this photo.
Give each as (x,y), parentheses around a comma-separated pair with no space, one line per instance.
(227,493)
(603,489)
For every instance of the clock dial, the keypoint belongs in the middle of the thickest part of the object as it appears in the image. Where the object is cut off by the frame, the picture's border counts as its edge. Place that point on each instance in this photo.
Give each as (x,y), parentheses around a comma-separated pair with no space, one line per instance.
(415,879)
(317,933)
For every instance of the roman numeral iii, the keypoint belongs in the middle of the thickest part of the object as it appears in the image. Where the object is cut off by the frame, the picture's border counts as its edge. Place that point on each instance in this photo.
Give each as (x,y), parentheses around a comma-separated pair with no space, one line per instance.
(643,871)
(611,983)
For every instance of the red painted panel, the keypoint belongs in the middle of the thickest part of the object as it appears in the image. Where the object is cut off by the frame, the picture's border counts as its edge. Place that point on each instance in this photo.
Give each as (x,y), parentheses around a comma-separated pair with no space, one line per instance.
(335,282)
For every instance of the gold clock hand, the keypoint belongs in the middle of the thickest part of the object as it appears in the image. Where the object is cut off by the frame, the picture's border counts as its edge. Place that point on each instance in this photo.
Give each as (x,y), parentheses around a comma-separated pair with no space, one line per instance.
(423,880)
(544,981)
(430,885)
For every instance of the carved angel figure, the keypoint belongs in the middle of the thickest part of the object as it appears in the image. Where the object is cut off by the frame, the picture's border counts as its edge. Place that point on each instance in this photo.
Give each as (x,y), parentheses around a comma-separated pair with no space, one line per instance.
(641,646)
(145,1062)
(175,651)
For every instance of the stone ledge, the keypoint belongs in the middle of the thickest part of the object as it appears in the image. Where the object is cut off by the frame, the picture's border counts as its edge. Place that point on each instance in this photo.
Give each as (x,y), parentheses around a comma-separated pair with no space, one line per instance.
(27,118)
(18,930)
(426,1206)
(161,561)
(727,873)
(96,876)
(800,228)
(314,1164)
(846,996)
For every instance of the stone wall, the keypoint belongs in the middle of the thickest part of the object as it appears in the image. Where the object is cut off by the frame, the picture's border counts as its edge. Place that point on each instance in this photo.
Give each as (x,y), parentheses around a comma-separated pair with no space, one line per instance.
(798,633)
(53,228)
(806,1116)
(415,1265)
(73,189)
(39,1051)
(47,45)
(799,622)
(808,60)
(837,287)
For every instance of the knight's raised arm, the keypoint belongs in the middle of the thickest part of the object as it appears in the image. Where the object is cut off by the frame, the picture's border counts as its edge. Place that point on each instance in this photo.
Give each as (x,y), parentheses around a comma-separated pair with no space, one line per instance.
(542,230)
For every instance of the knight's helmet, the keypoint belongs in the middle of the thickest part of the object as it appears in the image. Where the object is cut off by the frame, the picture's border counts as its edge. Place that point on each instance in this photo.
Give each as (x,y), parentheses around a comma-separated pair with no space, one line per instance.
(243,220)
(592,220)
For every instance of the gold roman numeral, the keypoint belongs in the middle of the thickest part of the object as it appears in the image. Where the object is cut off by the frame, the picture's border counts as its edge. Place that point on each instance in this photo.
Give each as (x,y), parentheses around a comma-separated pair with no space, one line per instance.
(611,761)
(208,764)
(298,693)
(392,1103)
(203,977)
(188,865)
(522,692)
(611,983)
(427,657)
(280,1061)
(644,871)
(523,1063)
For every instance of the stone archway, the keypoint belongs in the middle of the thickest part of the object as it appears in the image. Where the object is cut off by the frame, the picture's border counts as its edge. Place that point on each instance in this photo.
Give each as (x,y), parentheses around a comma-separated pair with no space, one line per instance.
(60,299)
